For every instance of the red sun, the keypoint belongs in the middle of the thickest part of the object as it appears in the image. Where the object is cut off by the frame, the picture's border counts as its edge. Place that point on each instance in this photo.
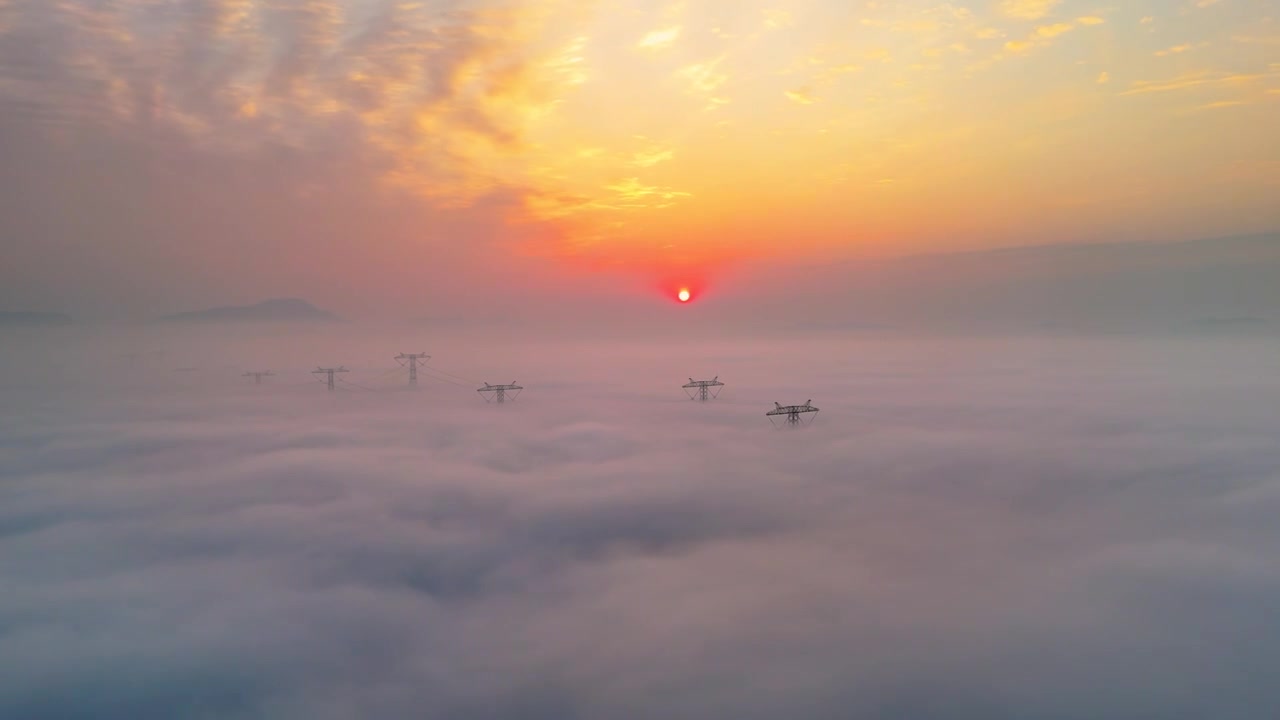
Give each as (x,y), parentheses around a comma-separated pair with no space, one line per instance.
(683,296)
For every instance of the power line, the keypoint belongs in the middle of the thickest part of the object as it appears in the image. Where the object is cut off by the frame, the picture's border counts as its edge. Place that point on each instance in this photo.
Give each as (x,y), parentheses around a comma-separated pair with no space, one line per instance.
(793,414)
(456,377)
(702,389)
(329,372)
(443,379)
(413,359)
(498,393)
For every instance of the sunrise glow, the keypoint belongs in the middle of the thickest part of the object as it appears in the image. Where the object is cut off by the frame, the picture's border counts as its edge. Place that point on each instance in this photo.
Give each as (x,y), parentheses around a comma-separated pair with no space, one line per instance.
(639,138)
(683,295)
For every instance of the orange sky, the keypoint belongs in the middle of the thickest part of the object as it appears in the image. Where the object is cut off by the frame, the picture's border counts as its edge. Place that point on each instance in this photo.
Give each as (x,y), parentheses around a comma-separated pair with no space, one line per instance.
(754,128)
(649,137)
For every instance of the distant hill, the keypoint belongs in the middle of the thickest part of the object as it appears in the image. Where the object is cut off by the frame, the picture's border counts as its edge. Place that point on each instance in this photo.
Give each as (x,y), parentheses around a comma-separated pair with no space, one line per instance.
(275,310)
(33,319)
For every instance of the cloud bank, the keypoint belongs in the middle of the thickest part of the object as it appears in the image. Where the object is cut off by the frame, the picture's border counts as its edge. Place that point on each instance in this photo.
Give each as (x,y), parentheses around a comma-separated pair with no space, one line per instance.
(1058,529)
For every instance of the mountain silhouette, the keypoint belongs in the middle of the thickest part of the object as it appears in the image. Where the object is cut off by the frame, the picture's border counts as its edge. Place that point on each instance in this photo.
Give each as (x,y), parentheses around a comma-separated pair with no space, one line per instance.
(274,310)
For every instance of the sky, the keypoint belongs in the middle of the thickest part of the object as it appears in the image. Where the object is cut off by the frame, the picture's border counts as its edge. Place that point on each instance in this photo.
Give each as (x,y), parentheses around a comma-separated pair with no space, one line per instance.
(1069,529)
(1023,255)
(167,155)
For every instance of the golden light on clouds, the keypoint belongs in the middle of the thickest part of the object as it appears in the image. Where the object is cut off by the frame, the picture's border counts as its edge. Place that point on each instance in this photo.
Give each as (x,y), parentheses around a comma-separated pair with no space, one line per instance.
(659,38)
(1028,9)
(640,130)
(802,95)
(1054,30)
(1176,49)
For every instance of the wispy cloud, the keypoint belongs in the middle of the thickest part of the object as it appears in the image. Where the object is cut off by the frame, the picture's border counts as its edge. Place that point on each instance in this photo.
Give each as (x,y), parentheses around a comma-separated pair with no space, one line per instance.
(777,18)
(1194,80)
(659,39)
(631,192)
(650,158)
(802,96)
(1174,50)
(1223,104)
(242,75)
(1054,30)
(704,77)
(1028,9)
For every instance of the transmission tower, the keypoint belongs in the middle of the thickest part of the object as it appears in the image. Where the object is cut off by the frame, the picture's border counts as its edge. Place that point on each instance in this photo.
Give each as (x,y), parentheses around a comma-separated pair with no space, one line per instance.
(793,415)
(329,372)
(413,359)
(257,376)
(499,392)
(703,389)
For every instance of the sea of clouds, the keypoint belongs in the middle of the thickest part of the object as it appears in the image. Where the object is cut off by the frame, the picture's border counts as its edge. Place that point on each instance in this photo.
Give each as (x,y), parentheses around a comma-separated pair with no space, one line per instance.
(972,528)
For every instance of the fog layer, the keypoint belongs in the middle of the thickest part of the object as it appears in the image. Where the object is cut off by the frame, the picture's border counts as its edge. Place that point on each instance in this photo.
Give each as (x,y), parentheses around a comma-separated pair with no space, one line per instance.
(1049,528)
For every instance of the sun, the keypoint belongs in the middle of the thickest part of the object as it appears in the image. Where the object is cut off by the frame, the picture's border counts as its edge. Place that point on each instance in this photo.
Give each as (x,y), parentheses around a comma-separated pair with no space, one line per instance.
(683,295)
